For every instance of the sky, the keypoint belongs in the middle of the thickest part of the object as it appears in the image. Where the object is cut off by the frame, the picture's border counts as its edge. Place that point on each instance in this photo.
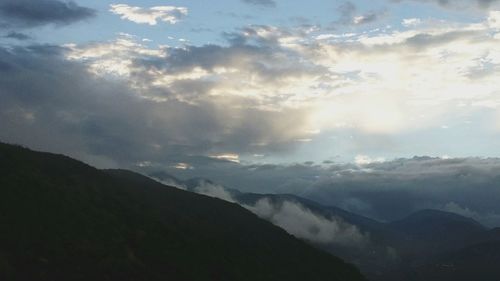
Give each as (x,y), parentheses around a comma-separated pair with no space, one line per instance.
(213,88)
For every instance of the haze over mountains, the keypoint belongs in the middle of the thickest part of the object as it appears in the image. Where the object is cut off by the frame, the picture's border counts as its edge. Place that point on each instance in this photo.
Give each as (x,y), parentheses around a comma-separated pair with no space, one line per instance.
(426,245)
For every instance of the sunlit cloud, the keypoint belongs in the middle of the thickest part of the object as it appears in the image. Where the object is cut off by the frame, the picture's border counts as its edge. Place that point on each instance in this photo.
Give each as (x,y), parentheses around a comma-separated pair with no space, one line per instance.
(411,22)
(182,166)
(361,160)
(382,82)
(151,16)
(228,157)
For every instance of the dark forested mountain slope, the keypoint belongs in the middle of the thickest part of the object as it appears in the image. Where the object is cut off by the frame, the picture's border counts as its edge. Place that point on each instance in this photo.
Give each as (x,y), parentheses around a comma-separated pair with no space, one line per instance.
(475,262)
(63,220)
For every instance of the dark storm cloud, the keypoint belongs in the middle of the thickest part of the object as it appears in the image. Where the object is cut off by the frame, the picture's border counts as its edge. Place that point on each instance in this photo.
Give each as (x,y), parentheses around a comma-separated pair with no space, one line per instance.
(266,3)
(31,13)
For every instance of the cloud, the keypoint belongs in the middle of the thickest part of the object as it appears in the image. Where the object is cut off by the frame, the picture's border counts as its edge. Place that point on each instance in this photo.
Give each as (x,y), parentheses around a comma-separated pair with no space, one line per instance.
(366,18)
(494,19)
(410,22)
(214,190)
(294,218)
(31,13)
(385,191)
(396,188)
(17,35)
(359,80)
(347,11)
(121,102)
(482,4)
(76,108)
(303,223)
(228,157)
(490,219)
(266,3)
(349,15)
(151,16)
(365,160)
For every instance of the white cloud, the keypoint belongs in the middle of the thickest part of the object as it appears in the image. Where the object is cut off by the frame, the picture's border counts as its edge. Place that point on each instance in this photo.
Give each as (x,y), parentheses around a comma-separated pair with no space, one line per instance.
(228,157)
(114,57)
(182,166)
(303,223)
(361,160)
(494,19)
(214,190)
(411,22)
(295,219)
(151,16)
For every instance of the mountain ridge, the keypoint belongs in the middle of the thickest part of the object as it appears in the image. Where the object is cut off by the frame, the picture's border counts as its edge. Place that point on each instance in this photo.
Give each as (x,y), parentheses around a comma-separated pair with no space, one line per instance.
(62,219)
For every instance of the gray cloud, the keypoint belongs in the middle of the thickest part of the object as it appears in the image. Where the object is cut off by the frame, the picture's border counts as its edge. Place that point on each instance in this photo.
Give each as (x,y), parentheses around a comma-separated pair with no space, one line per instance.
(347,11)
(396,188)
(266,3)
(30,13)
(368,18)
(423,40)
(66,109)
(349,15)
(385,191)
(17,35)
(483,4)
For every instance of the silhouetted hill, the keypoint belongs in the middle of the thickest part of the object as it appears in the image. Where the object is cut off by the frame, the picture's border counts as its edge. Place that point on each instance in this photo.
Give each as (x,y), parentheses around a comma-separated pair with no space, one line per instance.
(433,231)
(475,262)
(63,220)
(426,223)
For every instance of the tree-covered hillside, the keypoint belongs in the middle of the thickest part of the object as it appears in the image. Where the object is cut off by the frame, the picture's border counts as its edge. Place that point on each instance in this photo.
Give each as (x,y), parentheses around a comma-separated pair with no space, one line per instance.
(63,220)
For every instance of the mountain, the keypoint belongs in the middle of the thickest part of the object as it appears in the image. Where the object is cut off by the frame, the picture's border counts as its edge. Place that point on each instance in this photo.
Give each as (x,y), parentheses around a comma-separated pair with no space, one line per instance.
(442,246)
(430,232)
(478,261)
(427,245)
(427,224)
(61,219)
(376,255)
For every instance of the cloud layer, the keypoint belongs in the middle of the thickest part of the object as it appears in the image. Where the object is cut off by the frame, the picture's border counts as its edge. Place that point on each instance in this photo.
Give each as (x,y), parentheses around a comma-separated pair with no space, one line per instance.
(385,191)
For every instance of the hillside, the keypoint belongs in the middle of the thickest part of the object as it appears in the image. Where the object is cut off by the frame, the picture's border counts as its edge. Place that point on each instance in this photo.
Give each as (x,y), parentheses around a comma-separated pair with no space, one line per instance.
(63,220)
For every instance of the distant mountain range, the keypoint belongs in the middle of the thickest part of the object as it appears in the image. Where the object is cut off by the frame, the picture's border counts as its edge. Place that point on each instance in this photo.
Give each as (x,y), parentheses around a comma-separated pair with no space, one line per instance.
(63,220)
(425,246)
